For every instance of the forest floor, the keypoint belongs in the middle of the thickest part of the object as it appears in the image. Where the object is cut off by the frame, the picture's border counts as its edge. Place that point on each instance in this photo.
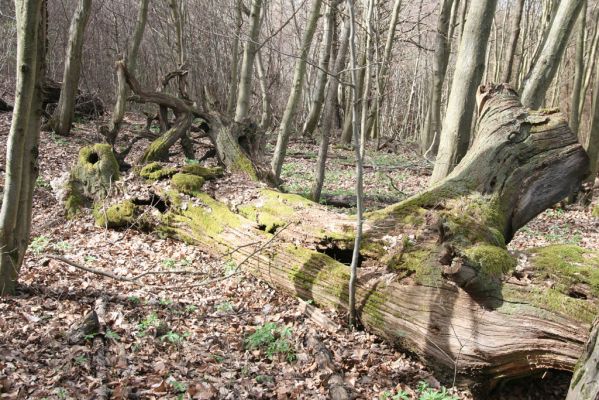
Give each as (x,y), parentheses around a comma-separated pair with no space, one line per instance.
(202,352)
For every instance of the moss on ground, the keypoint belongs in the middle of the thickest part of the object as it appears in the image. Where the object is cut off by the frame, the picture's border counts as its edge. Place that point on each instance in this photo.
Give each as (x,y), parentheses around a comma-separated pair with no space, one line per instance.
(118,215)
(187,183)
(567,265)
(595,212)
(156,171)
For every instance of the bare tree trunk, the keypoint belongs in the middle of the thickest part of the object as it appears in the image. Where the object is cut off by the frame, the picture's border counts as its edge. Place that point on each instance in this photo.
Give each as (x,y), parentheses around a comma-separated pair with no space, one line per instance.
(541,75)
(356,90)
(329,114)
(62,119)
(322,76)
(266,118)
(247,64)
(22,146)
(578,69)
(235,59)
(455,135)
(592,143)
(508,65)
(590,67)
(131,63)
(366,89)
(296,91)
(432,126)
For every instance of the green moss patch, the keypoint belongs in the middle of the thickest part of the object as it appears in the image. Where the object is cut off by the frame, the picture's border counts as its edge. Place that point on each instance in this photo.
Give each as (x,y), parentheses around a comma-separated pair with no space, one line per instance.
(595,212)
(273,209)
(210,219)
(204,172)
(118,215)
(567,265)
(492,260)
(156,171)
(187,183)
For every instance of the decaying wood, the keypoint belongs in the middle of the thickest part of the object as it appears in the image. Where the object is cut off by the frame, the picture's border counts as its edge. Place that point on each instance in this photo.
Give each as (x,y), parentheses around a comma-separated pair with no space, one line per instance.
(584,382)
(89,327)
(99,360)
(435,278)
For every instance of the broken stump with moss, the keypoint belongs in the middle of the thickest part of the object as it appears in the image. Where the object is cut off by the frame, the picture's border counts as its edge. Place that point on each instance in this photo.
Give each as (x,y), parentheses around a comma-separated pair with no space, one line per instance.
(435,276)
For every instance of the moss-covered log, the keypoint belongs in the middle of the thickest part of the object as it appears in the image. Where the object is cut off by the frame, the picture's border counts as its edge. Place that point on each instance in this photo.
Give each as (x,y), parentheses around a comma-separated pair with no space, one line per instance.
(435,277)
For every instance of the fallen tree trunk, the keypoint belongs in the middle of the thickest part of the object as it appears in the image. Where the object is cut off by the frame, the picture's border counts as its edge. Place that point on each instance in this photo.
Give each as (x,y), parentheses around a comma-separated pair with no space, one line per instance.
(435,277)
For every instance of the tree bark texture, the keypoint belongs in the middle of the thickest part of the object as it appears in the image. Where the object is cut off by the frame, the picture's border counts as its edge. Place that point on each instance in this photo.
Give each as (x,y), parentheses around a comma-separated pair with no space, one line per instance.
(584,383)
(62,119)
(578,69)
(470,65)
(508,66)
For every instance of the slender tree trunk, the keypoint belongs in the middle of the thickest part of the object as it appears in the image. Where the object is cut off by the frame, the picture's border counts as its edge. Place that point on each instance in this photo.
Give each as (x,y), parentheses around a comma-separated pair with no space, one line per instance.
(329,114)
(455,135)
(508,66)
(23,138)
(235,60)
(131,62)
(541,75)
(590,67)
(296,91)
(266,118)
(366,90)
(592,142)
(323,74)
(62,120)
(578,69)
(247,64)
(356,90)
(432,126)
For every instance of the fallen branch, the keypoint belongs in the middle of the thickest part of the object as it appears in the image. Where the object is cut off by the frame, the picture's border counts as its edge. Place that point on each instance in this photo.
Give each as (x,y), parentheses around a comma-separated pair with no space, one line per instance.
(119,277)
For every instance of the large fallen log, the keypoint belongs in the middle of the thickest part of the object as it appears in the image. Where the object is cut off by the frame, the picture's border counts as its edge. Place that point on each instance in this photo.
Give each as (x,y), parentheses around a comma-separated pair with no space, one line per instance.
(435,277)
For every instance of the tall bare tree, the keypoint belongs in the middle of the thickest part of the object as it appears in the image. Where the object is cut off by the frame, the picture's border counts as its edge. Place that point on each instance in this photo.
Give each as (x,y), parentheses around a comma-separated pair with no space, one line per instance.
(578,69)
(62,119)
(541,74)
(432,125)
(470,65)
(296,91)
(508,65)
(244,91)
(130,59)
(23,139)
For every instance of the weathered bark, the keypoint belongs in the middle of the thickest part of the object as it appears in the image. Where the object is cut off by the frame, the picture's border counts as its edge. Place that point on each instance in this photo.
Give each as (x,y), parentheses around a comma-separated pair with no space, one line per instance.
(432,126)
(584,383)
(23,139)
(592,146)
(541,74)
(266,118)
(296,92)
(62,119)
(508,66)
(436,278)
(578,69)
(470,65)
